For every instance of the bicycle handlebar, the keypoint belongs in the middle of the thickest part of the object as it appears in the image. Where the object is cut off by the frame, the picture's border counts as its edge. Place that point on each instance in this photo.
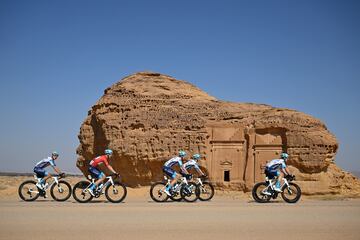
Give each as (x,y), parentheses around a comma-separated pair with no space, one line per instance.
(187,176)
(61,175)
(115,175)
(290,177)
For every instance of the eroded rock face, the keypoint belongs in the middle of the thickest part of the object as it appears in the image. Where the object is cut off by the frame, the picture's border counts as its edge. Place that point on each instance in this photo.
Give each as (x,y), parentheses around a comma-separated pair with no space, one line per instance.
(147,118)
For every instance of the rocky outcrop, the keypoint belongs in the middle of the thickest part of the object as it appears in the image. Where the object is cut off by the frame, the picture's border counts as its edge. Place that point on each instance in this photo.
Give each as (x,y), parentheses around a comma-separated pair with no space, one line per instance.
(147,117)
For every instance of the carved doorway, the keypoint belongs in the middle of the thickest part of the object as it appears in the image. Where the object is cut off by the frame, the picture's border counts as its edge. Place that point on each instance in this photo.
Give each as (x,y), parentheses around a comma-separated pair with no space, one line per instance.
(263,155)
(227,162)
(269,143)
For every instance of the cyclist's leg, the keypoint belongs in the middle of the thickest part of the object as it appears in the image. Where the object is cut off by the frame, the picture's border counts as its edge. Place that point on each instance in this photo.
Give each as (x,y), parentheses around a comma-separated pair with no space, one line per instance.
(279,176)
(40,173)
(100,176)
(270,175)
(172,175)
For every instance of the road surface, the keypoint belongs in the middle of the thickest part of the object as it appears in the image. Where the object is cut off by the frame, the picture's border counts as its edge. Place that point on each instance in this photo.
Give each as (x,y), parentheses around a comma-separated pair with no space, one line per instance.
(140,218)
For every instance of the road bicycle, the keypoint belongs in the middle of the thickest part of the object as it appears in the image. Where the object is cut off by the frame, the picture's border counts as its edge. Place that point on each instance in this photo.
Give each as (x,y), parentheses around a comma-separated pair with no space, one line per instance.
(262,192)
(114,190)
(30,190)
(182,189)
(206,190)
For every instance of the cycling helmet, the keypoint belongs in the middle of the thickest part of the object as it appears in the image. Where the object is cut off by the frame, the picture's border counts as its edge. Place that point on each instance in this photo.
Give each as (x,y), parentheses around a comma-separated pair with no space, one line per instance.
(55,154)
(182,153)
(108,152)
(196,156)
(284,156)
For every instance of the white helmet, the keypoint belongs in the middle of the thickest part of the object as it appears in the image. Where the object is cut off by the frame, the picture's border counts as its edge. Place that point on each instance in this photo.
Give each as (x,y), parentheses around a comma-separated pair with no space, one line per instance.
(108,152)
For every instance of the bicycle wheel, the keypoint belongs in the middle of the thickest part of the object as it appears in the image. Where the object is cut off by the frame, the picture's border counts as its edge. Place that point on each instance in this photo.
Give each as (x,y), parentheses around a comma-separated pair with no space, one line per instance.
(189,192)
(206,191)
(61,191)
(115,193)
(157,192)
(80,192)
(176,197)
(175,193)
(258,192)
(292,193)
(28,191)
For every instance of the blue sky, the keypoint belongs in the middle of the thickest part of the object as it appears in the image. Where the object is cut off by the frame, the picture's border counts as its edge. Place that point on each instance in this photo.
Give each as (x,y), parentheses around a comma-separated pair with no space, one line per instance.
(57,57)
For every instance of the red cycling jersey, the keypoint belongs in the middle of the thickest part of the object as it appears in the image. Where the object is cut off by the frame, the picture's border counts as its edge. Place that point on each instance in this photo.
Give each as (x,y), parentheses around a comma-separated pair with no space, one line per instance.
(98,160)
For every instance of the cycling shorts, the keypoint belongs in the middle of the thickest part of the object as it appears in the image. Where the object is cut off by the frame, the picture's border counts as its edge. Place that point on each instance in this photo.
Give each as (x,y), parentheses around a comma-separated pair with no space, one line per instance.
(96,173)
(40,172)
(169,171)
(272,173)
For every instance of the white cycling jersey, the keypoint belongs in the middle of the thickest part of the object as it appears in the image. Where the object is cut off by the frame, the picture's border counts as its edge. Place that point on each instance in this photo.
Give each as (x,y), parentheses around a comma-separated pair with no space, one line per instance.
(191,164)
(276,164)
(45,163)
(175,160)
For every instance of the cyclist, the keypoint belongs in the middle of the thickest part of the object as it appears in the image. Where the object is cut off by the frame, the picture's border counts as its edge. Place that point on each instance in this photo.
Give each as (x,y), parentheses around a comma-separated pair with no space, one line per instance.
(193,163)
(277,168)
(103,159)
(41,173)
(168,170)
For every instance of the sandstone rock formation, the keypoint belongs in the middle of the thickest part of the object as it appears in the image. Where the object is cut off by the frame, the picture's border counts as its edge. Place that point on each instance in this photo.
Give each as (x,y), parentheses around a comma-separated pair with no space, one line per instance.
(147,117)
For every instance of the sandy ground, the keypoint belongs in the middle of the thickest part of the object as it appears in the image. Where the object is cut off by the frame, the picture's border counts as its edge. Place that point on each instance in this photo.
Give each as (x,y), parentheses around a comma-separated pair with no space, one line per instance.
(228,216)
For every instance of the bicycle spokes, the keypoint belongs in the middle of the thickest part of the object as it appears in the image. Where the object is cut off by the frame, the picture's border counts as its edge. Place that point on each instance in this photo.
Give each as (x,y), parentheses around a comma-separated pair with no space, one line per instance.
(291,193)
(189,192)
(289,190)
(157,192)
(116,192)
(28,191)
(81,193)
(60,190)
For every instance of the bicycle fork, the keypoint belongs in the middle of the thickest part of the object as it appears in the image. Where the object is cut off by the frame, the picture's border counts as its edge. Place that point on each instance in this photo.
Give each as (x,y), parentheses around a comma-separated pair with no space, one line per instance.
(286,183)
(56,181)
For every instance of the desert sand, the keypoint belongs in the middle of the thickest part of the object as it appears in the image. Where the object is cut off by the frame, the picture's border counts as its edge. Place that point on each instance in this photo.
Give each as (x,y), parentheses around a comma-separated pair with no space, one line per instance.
(229,215)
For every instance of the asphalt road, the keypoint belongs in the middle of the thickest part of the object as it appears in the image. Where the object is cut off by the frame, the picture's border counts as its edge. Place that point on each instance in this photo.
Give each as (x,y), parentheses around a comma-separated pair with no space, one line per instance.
(139,218)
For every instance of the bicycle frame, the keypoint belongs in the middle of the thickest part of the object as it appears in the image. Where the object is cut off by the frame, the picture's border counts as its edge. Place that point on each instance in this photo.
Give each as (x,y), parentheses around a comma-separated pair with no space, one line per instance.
(198,181)
(263,191)
(272,182)
(179,183)
(55,181)
(108,180)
